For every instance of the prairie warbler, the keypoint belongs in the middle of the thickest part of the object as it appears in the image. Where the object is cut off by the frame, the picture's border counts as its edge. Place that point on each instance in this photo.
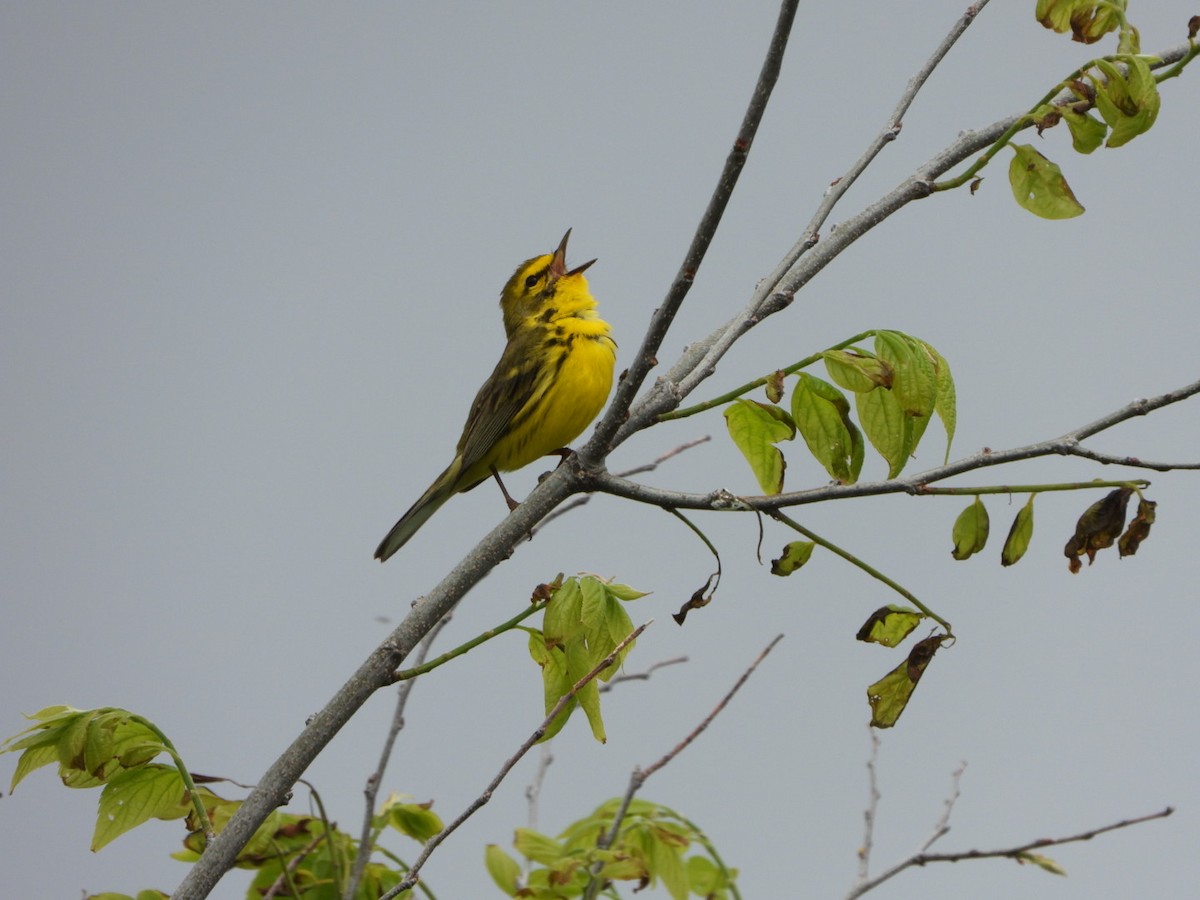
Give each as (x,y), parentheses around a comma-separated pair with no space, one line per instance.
(552,379)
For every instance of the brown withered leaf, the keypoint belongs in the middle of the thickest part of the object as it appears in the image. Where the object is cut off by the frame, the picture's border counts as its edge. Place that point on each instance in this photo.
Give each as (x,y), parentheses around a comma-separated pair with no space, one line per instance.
(1097,528)
(921,654)
(542,592)
(1049,120)
(1138,529)
(1193,27)
(702,597)
(775,386)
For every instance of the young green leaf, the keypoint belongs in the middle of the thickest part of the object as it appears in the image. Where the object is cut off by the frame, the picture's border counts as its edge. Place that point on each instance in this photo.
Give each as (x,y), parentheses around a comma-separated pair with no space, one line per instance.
(887,427)
(970,530)
(416,820)
(946,404)
(914,380)
(1038,185)
(1087,132)
(822,416)
(1087,20)
(666,864)
(136,795)
(1129,105)
(889,625)
(538,847)
(794,555)
(857,370)
(1019,535)
(1042,862)
(505,870)
(756,428)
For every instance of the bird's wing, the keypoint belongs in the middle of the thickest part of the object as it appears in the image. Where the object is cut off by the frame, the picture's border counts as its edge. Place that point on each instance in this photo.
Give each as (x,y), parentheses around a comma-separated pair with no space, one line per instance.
(500,402)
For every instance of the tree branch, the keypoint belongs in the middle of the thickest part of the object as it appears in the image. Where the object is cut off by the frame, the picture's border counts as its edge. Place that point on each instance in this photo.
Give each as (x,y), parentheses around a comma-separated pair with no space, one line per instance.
(371,791)
(775,292)
(1066,445)
(618,411)
(1020,853)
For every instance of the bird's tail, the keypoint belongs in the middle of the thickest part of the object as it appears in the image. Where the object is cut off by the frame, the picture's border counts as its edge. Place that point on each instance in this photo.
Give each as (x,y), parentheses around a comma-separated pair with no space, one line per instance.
(431,501)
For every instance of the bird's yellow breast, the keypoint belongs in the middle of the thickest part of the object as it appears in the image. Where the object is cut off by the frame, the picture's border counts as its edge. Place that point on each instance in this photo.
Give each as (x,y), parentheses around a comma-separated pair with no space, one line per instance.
(574,386)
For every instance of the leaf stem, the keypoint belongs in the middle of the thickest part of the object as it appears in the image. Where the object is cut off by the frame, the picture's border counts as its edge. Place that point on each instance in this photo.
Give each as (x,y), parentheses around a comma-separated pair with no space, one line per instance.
(405,674)
(759,382)
(855,561)
(1136,484)
(188,784)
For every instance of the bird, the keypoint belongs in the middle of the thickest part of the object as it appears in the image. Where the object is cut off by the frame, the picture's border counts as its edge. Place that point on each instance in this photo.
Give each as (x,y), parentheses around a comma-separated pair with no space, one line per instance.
(552,380)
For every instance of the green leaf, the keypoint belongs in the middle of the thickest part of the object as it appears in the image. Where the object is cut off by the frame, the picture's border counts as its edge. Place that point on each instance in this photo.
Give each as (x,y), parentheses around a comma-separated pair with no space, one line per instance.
(1019,535)
(625,592)
(556,680)
(538,847)
(1038,185)
(1087,132)
(666,864)
(1129,105)
(795,555)
(505,870)
(889,625)
(1087,20)
(946,404)
(90,746)
(914,379)
(887,427)
(755,429)
(970,532)
(136,795)
(1042,862)
(579,663)
(857,370)
(889,696)
(561,619)
(416,820)
(822,416)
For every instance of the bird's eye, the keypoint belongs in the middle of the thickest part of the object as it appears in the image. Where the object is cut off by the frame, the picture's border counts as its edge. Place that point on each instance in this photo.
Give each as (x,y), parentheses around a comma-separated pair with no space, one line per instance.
(532,280)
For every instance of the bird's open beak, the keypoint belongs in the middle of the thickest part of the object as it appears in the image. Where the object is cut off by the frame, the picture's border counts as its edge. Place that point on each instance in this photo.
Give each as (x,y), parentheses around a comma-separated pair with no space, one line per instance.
(558,264)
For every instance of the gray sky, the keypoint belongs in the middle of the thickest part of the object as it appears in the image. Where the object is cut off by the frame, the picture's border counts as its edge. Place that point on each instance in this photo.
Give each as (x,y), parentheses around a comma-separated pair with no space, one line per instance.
(251,257)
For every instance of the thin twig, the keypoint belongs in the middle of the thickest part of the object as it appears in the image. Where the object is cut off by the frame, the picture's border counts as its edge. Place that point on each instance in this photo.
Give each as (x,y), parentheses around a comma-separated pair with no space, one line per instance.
(432,844)
(664,315)
(371,791)
(640,776)
(887,134)
(1016,853)
(942,826)
(534,791)
(873,797)
(641,676)
(627,473)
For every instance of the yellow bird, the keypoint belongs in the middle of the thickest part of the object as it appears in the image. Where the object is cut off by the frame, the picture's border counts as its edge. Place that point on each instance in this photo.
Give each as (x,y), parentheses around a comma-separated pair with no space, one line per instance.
(552,380)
